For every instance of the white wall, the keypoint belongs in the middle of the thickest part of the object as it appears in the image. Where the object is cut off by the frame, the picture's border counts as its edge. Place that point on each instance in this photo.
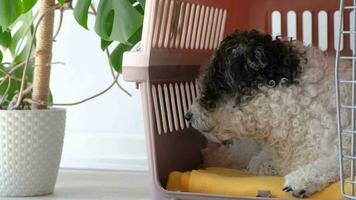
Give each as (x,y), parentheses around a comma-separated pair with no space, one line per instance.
(106,132)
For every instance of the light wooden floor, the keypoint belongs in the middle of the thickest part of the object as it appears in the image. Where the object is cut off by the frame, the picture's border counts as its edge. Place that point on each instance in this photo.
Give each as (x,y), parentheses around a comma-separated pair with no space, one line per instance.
(93,185)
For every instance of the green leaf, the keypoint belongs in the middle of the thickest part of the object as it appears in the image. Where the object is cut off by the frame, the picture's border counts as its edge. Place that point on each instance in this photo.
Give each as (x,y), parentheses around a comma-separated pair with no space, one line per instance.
(117,20)
(23,53)
(1,56)
(50,98)
(139,8)
(81,12)
(105,44)
(25,30)
(27,5)
(5,38)
(61,1)
(142,3)
(136,37)
(10,10)
(14,85)
(2,66)
(117,55)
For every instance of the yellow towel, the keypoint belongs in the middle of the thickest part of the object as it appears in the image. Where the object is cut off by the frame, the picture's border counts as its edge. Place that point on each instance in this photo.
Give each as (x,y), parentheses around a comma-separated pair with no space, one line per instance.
(234,182)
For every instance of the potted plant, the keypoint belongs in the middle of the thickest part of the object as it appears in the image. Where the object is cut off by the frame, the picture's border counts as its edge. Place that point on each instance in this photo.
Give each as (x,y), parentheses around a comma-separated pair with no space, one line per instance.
(31,130)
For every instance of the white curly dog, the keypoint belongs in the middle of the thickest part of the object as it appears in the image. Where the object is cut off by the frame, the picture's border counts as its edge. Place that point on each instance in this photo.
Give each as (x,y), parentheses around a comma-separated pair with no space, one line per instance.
(281,94)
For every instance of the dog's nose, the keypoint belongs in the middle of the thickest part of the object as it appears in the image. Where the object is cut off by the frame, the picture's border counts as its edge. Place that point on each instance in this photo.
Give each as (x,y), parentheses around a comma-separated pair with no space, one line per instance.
(188,116)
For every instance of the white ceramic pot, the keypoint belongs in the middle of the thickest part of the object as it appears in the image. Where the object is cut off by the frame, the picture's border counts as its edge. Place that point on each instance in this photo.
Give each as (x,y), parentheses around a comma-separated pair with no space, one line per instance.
(31,144)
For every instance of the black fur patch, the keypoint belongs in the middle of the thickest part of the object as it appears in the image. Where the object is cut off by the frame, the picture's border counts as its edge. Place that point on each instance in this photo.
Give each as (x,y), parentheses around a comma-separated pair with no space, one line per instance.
(245,61)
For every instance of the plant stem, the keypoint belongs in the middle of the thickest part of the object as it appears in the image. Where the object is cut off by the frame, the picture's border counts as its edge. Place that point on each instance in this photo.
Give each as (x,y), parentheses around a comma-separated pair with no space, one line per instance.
(20,95)
(43,58)
(91,97)
(108,56)
(61,15)
(9,75)
(113,74)
(13,70)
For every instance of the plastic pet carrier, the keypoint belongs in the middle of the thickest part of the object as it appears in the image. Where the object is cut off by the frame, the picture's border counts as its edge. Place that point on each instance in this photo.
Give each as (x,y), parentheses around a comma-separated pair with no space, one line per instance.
(179,36)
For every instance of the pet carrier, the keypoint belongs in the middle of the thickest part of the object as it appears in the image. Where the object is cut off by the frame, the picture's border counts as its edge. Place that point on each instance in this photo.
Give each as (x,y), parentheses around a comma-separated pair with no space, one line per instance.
(178,38)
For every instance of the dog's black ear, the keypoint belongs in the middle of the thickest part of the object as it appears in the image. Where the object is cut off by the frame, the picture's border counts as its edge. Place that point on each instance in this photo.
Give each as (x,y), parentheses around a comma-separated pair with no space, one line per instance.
(220,75)
(227,66)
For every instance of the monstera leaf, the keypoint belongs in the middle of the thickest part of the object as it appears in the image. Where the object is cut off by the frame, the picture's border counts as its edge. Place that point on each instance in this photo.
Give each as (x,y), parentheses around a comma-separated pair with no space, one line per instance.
(81,12)
(117,20)
(10,10)
(22,37)
(142,3)
(5,38)
(27,5)
(18,45)
(105,44)
(117,55)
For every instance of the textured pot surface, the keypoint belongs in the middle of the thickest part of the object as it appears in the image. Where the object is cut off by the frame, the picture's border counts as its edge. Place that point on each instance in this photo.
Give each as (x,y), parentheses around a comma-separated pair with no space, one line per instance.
(31,144)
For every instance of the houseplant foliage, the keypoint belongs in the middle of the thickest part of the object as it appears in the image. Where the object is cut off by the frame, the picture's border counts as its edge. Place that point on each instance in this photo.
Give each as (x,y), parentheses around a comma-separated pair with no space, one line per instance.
(118,23)
(32,133)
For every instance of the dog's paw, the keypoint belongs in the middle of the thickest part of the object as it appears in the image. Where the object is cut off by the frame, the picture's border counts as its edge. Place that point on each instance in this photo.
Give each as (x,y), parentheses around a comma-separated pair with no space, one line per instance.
(300,193)
(299,186)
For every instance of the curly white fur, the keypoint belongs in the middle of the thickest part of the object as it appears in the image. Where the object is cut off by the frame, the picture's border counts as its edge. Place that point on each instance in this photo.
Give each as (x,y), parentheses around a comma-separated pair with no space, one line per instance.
(298,123)
(245,154)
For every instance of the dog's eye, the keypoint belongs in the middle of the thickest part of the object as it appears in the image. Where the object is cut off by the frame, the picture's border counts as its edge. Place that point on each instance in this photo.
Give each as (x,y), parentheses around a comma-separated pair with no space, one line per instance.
(227,142)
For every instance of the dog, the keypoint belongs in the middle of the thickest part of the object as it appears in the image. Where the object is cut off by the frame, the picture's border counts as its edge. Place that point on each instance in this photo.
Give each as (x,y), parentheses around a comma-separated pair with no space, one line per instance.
(282,94)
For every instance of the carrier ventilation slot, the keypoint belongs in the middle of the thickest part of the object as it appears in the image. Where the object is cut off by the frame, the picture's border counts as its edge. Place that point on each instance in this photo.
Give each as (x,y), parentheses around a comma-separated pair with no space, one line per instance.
(197,88)
(308,21)
(183,25)
(170,102)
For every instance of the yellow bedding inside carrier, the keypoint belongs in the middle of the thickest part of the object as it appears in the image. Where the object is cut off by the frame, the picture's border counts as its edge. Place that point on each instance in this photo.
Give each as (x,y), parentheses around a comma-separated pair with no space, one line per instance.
(234,182)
